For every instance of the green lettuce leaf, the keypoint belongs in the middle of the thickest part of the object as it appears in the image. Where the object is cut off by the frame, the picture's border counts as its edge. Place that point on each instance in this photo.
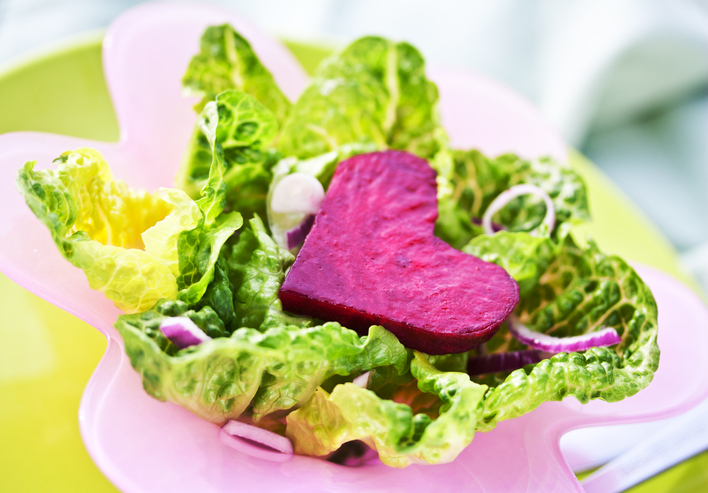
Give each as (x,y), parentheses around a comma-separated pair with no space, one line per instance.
(257,269)
(373,94)
(267,372)
(219,295)
(199,250)
(572,290)
(526,258)
(473,181)
(239,130)
(387,383)
(350,412)
(162,239)
(577,290)
(134,246)
(97,223)
(227,61)
(598,373)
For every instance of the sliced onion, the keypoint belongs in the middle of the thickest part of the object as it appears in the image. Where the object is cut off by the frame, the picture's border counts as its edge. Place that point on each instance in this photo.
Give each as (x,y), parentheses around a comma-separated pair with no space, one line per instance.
(297,193)
(362,380)
(508,195)
(496,227)
(296,236)
(603,337)
(182,332)
(496,362)
(256,442)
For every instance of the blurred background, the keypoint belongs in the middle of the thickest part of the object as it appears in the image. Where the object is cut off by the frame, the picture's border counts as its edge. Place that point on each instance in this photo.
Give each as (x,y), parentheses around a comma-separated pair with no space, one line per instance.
(625,81)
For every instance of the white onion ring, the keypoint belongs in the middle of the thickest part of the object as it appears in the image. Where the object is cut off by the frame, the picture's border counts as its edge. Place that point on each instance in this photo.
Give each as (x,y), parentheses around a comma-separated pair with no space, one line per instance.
(537,340)
(182,332)
(239,436)
(516,191)
(297,193)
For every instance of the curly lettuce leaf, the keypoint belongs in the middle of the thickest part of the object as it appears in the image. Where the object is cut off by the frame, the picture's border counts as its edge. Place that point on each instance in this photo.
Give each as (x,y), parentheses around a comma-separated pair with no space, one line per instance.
(227,61)
(577,291)
(350,412)
(598,373)
(234,125)
(162,239)
(584,289)
(267,372)
(235,131)
(134,246)
(473,181)
(526,258)
(257,269)
(199,250)
(97,223)
(373,94)
(387,383)
(219,295)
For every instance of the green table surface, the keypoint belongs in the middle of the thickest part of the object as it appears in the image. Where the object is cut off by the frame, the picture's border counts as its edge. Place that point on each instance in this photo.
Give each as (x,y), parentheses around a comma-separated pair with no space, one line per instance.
(47,355)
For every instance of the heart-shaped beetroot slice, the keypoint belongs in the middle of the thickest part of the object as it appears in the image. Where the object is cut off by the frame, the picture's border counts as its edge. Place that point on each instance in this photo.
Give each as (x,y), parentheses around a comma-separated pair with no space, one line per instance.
(371,258)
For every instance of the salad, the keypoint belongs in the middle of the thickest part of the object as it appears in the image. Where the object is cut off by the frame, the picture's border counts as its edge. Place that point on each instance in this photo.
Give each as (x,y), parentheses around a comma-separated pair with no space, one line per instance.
(198,269)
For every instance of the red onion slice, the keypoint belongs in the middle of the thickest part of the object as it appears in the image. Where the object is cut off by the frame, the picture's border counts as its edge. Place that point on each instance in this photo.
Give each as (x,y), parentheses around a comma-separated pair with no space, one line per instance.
(603,337)
(256,442)
(296,236)
(362,380)
(497,362)
(496,227)
(182,332)
(508,195)
(297,193)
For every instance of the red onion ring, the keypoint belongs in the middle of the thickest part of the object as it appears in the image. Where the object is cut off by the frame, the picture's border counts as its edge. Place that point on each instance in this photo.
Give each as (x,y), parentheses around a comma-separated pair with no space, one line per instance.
(256,442)
(544,342)
(508,195)
(498,362)
(496,227)
(182,332)
(362,380)
(296,236)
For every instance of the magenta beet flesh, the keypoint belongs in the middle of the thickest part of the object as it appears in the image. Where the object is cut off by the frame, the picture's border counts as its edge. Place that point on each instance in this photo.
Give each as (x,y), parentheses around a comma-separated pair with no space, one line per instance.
(372,259)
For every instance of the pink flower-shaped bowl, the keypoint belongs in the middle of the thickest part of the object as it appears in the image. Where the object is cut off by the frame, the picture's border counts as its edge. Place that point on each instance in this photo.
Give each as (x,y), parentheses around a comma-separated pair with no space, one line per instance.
(143,445)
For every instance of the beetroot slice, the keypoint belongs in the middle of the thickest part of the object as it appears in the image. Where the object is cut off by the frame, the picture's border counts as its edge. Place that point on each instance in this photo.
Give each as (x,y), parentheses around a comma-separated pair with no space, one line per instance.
(371,258)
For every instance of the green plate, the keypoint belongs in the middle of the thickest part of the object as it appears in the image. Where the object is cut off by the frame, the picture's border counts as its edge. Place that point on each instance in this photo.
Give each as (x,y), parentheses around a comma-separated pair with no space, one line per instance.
(47,355)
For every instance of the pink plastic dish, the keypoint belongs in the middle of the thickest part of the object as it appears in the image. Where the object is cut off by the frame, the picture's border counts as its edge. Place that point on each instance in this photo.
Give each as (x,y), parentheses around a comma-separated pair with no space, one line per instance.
(143,445)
